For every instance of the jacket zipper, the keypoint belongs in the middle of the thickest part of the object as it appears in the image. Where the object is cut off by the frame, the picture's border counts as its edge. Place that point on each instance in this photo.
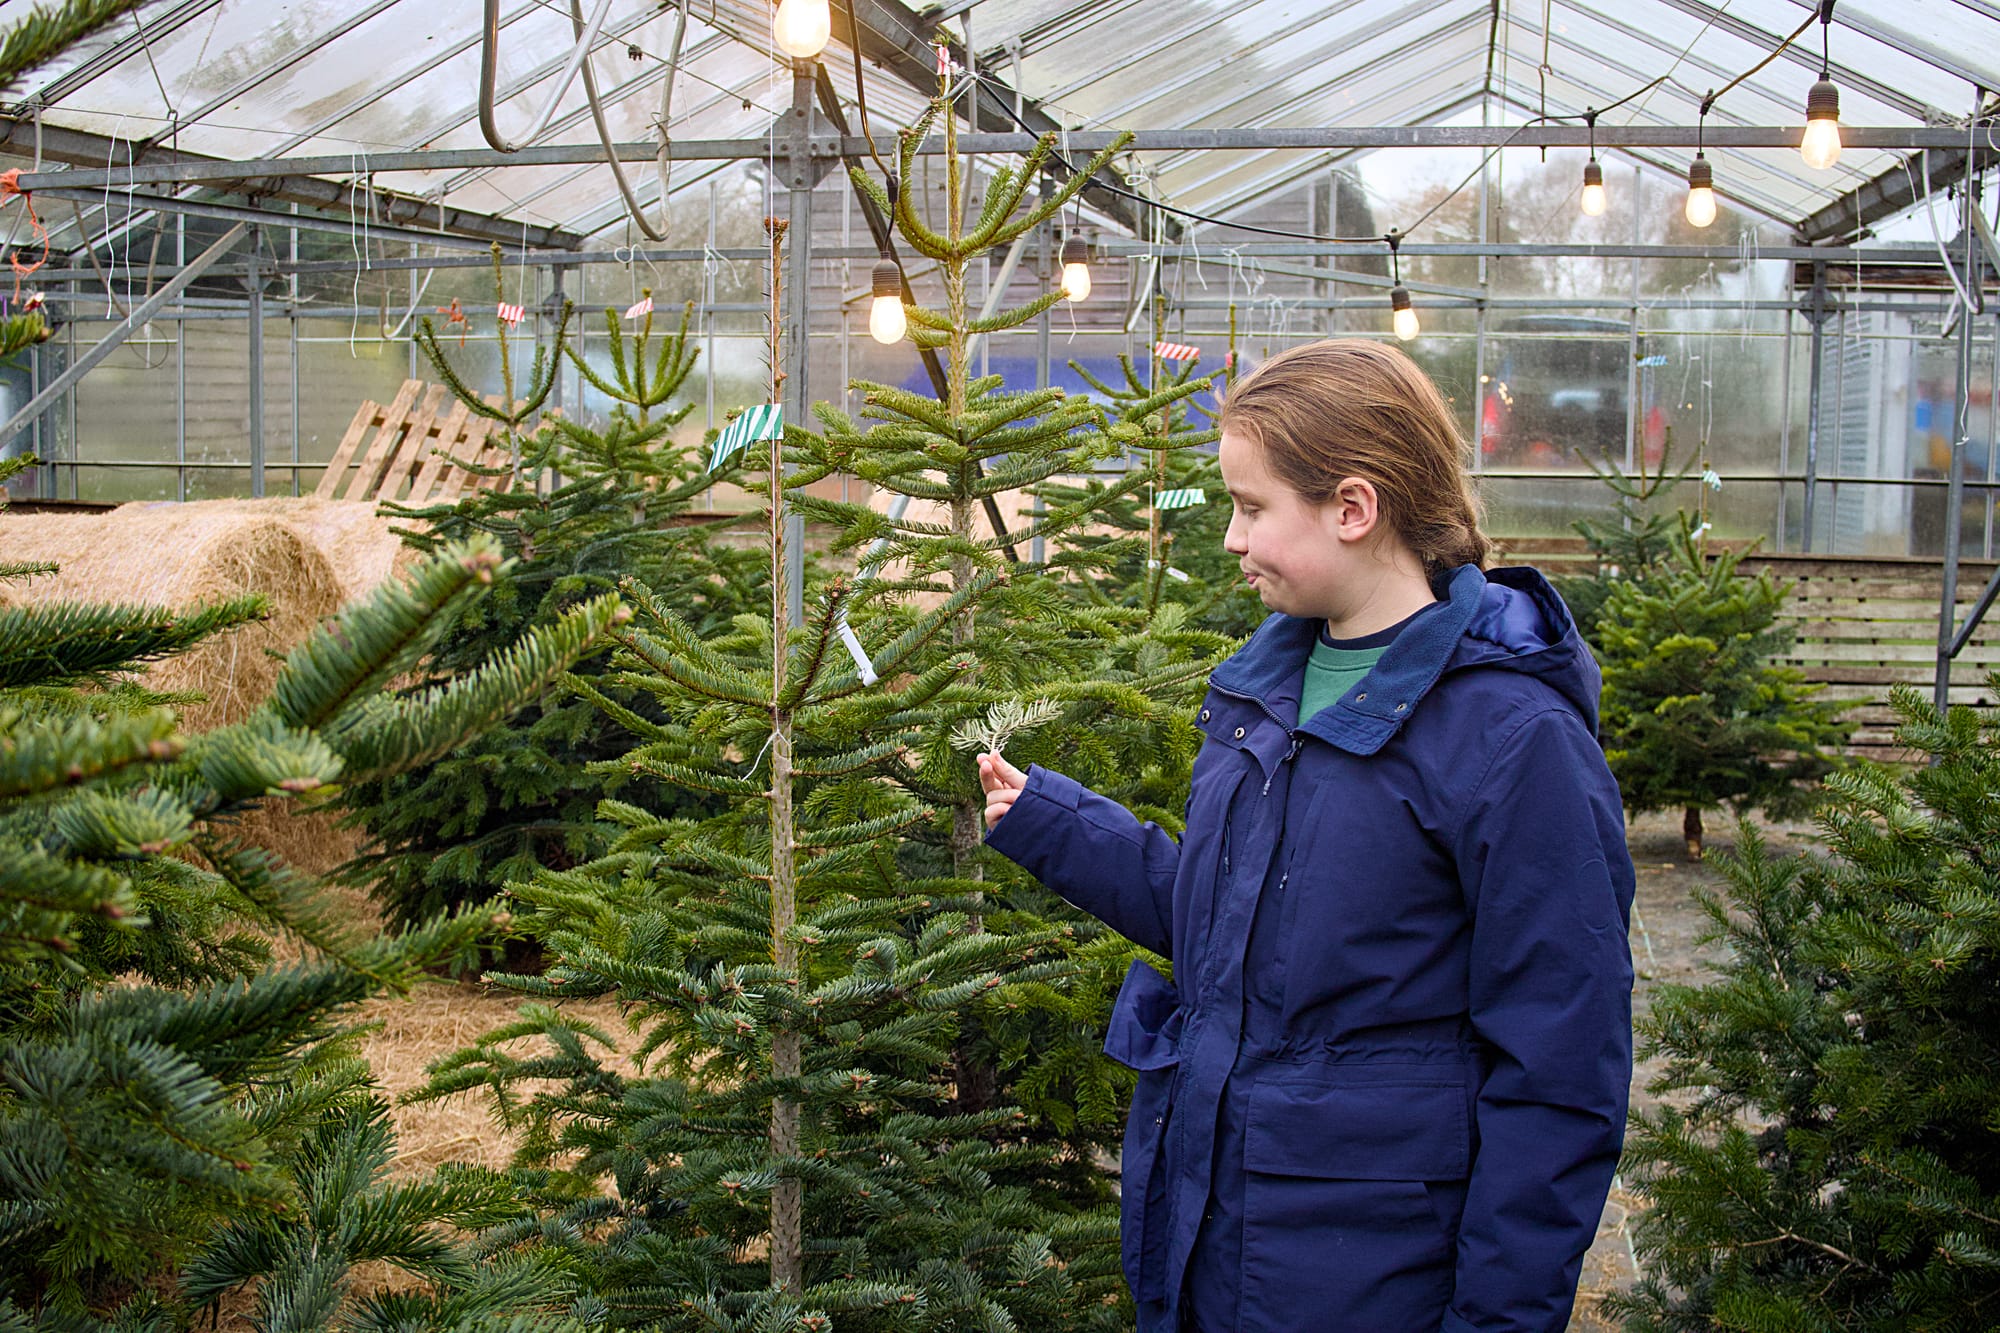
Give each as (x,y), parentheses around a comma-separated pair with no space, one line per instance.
(1298,741)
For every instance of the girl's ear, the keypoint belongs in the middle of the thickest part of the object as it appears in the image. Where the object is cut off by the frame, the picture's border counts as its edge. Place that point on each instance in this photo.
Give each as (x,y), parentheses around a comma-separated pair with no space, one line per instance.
(1354,509)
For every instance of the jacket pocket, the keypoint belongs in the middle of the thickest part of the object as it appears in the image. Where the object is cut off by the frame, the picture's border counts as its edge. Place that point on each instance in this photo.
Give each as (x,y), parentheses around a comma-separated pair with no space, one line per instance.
(1145,1035)
(1340,1229)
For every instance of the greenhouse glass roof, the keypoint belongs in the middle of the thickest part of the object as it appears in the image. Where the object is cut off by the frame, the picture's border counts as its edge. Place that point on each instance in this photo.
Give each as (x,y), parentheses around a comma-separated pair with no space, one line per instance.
(250,79)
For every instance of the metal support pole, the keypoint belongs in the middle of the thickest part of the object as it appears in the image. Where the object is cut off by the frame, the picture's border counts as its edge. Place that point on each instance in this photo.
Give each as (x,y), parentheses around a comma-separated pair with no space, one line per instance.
(255,282)
(1036,551)
(554,313)
(799,180)
(180,376)
(292,302)
(1784,432)
(1950,638)
(120,332)
(1816,312)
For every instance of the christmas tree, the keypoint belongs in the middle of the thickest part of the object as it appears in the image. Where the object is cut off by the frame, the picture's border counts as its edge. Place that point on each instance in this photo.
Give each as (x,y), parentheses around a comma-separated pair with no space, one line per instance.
(152,1065)
(1638,543)
(1827,1156)
(1696,713)
(802,971)
(590,505)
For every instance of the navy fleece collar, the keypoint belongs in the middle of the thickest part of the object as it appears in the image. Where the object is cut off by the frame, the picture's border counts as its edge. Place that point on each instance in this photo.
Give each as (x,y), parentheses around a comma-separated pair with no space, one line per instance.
(1515,621)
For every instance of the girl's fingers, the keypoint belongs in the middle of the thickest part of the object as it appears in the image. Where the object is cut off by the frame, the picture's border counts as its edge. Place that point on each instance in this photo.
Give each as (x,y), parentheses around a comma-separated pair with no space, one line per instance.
(995,773)
(999,803)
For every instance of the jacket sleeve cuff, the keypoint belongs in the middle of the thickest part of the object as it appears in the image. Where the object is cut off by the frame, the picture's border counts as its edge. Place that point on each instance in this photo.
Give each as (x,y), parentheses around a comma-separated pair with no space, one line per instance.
(1020,834)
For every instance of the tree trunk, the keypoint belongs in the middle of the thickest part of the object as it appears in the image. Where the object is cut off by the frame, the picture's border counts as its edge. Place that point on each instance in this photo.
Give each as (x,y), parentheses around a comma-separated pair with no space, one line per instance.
(787,1059)
(1691,830)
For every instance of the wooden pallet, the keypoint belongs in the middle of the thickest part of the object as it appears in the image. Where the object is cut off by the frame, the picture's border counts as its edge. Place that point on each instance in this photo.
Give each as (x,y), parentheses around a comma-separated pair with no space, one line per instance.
(403,451)
(1860,625)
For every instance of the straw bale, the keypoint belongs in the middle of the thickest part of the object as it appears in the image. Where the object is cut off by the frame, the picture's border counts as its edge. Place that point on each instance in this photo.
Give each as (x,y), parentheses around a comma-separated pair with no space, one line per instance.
(179,555)
(360,544)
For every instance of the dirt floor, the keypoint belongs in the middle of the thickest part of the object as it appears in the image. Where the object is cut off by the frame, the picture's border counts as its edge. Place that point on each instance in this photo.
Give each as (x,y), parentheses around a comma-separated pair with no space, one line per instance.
(442,1017)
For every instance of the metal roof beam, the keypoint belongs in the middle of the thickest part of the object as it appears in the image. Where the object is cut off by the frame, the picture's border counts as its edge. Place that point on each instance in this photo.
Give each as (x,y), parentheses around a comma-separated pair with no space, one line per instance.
(901,43)
(62,144)
(1855,213)
(17,138)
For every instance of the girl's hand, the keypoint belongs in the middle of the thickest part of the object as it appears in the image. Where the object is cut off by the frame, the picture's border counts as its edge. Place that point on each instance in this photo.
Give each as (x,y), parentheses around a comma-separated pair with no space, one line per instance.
(1003,782)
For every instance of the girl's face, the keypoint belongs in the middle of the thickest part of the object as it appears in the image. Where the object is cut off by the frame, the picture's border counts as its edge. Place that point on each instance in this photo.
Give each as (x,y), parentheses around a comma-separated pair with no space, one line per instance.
(1308,560)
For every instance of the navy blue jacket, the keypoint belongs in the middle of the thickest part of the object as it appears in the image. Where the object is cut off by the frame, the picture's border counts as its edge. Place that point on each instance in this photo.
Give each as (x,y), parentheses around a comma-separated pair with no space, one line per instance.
(1386,1088)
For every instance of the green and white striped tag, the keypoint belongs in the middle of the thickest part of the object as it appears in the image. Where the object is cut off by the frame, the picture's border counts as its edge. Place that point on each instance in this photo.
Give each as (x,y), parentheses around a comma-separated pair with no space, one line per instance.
(1184,498)
(766,421)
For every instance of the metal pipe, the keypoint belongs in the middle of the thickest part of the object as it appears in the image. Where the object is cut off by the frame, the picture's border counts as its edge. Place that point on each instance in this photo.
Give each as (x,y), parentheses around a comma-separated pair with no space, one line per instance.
(256,334)
(1915,255)
(120,332)
(1082,142)
(797,307)
(1949,634)
(1813,388)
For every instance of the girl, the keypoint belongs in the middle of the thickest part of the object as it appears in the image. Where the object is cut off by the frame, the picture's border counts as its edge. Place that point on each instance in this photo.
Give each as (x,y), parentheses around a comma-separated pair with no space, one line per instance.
(1386,1087)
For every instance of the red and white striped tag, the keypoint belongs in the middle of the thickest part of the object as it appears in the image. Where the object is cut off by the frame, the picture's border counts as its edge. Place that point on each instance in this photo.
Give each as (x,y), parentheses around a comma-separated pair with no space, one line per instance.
(1176,351)
(510,315)
(639,309)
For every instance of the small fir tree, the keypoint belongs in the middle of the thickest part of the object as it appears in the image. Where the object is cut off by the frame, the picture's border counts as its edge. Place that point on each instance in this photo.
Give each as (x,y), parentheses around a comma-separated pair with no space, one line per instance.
(1638,543)
(791,1155)
(1827,1157)
(1695,711)
(592,504)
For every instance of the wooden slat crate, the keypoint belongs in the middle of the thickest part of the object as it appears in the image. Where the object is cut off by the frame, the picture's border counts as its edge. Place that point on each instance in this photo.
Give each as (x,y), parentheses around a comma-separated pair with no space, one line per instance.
(1862,623)
(409,442)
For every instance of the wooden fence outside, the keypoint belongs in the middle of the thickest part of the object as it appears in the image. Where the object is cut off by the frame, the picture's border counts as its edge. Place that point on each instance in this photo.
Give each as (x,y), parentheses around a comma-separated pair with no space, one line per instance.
(1862,624)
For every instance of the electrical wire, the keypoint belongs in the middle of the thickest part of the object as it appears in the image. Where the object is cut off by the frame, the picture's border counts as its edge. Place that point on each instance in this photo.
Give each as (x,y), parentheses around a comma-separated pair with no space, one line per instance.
(861,87)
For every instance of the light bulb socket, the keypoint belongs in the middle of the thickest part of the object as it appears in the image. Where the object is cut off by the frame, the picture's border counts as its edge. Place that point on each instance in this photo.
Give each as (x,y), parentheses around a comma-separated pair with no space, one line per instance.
(1399,297)
(887,279)
(1823,101)
(1701,176)
(1593,173)
(1074,251)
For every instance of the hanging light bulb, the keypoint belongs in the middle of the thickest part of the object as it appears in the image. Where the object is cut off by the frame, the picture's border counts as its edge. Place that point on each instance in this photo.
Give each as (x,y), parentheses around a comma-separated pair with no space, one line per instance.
(1701,176)
(803,27)
(1593,175)
(1701,192)
(1404,317)
(1075,269)
(1593,189)
(886,321)
(1821,146)
(1404,321)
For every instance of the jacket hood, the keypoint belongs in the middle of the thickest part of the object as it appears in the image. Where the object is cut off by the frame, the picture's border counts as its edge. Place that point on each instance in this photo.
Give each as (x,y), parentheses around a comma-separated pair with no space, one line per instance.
(1503,619)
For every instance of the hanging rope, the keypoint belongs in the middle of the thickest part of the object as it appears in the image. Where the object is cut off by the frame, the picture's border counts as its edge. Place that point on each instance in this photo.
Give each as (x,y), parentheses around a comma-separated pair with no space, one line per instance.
(10,185)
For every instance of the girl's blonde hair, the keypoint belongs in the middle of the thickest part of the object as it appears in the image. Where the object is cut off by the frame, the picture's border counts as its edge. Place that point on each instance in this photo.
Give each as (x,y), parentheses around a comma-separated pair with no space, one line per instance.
(1348,407)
